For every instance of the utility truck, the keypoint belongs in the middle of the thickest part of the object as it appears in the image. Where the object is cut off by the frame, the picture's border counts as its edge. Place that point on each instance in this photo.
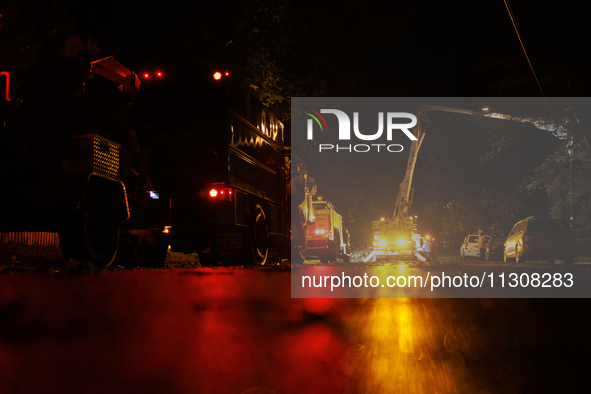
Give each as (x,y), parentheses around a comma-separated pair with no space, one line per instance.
(326,237)
(318,230)
(226,172)
(70,163)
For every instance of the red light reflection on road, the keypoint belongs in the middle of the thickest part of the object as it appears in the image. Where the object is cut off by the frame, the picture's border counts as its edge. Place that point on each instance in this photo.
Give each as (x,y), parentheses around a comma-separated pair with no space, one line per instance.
(230,330)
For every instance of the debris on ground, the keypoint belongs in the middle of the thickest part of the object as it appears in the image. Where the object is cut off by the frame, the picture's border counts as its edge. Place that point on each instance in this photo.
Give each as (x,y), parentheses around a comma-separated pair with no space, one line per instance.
(181,260)
(24,258)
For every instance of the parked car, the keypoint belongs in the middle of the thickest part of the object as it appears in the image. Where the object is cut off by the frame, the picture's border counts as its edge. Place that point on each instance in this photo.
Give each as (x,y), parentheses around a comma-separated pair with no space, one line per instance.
(469,248)
(494,249)
(540,239)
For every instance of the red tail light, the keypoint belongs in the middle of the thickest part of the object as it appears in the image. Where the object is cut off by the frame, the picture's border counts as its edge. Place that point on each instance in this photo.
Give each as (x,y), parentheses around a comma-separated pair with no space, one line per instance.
(224,193)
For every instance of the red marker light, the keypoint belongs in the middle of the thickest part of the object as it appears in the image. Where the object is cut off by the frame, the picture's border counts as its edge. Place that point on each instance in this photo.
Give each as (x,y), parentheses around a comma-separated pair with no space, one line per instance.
(159,73)
(146,75)
(227,74)
(217,75)
(213,193)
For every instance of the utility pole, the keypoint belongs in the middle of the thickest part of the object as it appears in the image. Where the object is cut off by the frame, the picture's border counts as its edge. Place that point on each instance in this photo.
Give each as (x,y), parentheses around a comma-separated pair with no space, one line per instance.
(572,185)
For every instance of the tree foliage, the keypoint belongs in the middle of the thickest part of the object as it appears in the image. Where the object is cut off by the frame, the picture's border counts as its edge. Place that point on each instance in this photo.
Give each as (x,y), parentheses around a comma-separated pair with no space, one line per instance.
(280,48)
(571,161)
(550,177)
(474,180)
(28,25)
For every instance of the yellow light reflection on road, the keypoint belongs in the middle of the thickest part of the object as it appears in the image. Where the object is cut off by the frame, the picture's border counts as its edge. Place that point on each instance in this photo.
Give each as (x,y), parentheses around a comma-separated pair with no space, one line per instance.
(401,350)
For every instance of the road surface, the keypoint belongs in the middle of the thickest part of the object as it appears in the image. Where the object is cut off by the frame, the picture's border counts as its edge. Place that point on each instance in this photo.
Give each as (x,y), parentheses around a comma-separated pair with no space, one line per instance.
(237,330)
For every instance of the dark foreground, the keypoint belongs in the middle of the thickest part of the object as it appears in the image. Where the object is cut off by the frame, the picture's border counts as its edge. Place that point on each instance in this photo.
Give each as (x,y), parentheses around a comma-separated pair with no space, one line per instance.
(237,330)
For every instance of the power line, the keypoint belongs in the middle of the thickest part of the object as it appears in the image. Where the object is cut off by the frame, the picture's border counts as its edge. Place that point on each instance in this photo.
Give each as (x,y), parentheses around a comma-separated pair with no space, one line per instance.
(522,46)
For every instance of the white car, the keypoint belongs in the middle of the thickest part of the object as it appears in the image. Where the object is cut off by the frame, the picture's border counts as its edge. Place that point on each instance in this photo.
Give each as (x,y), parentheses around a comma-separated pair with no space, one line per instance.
(469,248)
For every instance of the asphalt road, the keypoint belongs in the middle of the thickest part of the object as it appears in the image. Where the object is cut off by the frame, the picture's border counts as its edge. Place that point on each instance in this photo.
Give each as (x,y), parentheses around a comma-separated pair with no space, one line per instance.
(236,330)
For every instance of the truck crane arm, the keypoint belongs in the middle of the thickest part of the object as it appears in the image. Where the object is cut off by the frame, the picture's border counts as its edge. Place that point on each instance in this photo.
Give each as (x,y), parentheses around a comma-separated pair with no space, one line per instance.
(401,225)
(404,198)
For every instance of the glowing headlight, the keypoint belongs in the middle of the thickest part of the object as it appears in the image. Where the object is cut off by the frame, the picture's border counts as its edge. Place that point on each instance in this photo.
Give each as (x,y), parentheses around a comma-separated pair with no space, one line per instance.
(402,242)
(381,242)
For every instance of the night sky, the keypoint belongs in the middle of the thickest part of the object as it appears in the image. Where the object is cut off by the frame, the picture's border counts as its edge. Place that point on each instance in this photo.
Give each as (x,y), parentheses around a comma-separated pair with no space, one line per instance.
(403,48)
